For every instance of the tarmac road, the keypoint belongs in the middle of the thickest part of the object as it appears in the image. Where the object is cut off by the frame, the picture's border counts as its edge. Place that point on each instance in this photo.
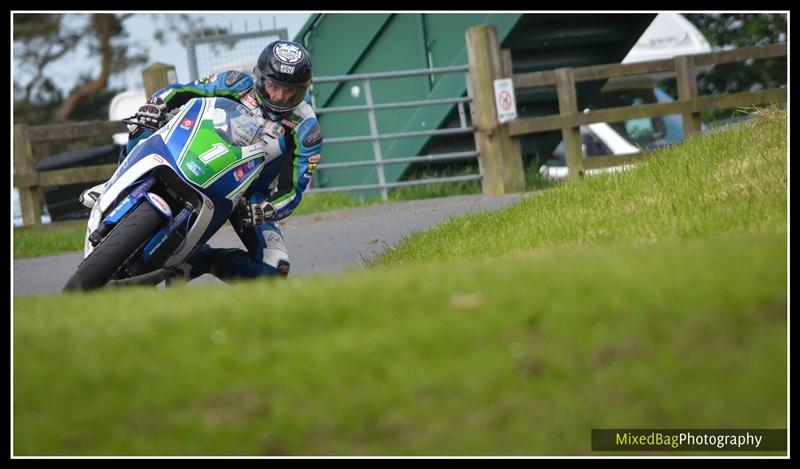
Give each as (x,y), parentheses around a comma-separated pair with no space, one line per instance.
(322,242)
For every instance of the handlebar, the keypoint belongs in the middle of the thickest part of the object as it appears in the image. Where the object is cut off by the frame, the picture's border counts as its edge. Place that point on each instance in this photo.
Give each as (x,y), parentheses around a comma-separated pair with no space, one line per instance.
(133,121)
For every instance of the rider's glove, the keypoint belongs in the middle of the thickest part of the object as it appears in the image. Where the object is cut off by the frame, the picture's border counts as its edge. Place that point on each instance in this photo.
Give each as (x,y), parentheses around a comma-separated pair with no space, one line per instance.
(152,114)
(256,214)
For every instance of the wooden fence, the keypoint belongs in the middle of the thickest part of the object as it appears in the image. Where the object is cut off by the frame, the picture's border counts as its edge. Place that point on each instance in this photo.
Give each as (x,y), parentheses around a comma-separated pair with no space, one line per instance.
(498,144)
(29,182)
(484,62)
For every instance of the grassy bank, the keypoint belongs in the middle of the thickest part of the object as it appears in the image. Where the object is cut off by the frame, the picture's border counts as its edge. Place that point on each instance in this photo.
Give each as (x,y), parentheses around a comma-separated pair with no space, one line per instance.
(655,298)
(730,181)
(521,355)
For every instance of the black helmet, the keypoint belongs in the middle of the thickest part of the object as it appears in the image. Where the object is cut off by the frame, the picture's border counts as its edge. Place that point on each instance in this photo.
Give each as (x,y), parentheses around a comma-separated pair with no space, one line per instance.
(285,64)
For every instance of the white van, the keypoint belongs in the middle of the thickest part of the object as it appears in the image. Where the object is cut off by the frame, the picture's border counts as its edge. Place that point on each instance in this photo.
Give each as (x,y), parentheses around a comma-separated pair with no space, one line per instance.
(669,34)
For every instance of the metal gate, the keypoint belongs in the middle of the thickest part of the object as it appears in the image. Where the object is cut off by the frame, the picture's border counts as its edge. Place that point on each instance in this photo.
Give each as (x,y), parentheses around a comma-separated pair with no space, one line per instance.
(375,136)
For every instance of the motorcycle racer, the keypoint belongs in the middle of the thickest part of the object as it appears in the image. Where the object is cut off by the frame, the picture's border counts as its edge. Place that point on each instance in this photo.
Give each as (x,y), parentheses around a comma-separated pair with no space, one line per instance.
(278,90)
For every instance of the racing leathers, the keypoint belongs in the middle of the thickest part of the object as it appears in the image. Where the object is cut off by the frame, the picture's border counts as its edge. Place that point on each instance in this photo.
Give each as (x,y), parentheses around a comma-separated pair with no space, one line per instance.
(281,182)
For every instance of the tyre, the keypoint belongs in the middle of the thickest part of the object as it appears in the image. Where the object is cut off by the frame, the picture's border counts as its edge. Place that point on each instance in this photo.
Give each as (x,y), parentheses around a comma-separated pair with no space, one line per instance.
(127,237)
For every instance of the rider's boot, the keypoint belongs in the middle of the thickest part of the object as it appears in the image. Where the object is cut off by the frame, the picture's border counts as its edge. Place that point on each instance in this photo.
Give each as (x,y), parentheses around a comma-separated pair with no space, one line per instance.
(201,262)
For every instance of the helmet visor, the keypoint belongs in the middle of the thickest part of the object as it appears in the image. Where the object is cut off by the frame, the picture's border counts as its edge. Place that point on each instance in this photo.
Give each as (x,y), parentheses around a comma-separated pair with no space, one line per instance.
(282,96)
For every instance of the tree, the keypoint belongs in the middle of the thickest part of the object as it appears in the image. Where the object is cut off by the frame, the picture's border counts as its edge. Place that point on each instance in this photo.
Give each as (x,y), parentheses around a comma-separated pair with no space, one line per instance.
(724,31)
(42,40)
(742,30)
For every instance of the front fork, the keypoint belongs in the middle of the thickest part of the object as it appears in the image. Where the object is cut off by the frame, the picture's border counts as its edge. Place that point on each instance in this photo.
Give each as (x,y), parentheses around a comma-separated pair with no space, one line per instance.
(165,242)
(120,210)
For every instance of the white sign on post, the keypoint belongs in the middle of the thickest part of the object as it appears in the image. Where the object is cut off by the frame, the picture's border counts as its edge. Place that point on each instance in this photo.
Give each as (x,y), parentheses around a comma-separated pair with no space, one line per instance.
(504,100)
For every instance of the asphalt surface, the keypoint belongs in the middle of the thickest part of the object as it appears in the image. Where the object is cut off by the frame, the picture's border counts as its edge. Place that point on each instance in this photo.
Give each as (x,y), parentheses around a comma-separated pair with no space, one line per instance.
(324,242)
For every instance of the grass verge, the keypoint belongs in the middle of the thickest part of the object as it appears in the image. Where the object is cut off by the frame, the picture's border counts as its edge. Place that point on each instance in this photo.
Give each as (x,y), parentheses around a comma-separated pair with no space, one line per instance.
(521,355)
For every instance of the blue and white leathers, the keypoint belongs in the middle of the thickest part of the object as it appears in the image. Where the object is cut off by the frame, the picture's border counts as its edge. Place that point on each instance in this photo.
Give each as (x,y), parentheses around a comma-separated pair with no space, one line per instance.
(282,181)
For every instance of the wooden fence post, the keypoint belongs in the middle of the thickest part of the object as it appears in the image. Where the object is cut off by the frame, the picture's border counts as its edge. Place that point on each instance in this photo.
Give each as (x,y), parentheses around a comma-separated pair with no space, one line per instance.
(568,104)
(501,165)
(516,145)
(29,196)
(687,89)
(158,76)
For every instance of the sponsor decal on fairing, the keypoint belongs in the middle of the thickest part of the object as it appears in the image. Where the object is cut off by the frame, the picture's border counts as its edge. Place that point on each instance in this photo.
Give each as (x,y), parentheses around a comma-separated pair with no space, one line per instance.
(194,168)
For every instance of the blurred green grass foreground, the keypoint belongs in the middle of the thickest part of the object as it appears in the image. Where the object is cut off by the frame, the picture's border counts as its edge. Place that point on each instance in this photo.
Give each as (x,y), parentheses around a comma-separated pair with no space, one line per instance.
(651,298)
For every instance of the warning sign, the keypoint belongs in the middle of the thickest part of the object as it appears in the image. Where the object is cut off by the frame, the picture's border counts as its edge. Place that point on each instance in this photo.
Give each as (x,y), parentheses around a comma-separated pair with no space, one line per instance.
(504,100)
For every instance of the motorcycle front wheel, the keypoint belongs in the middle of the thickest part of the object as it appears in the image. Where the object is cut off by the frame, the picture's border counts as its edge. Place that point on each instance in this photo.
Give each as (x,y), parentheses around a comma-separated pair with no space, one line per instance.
(123,241)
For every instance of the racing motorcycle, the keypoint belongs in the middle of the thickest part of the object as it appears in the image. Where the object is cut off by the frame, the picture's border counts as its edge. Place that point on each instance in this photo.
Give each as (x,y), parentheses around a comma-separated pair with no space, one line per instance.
(174,190)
